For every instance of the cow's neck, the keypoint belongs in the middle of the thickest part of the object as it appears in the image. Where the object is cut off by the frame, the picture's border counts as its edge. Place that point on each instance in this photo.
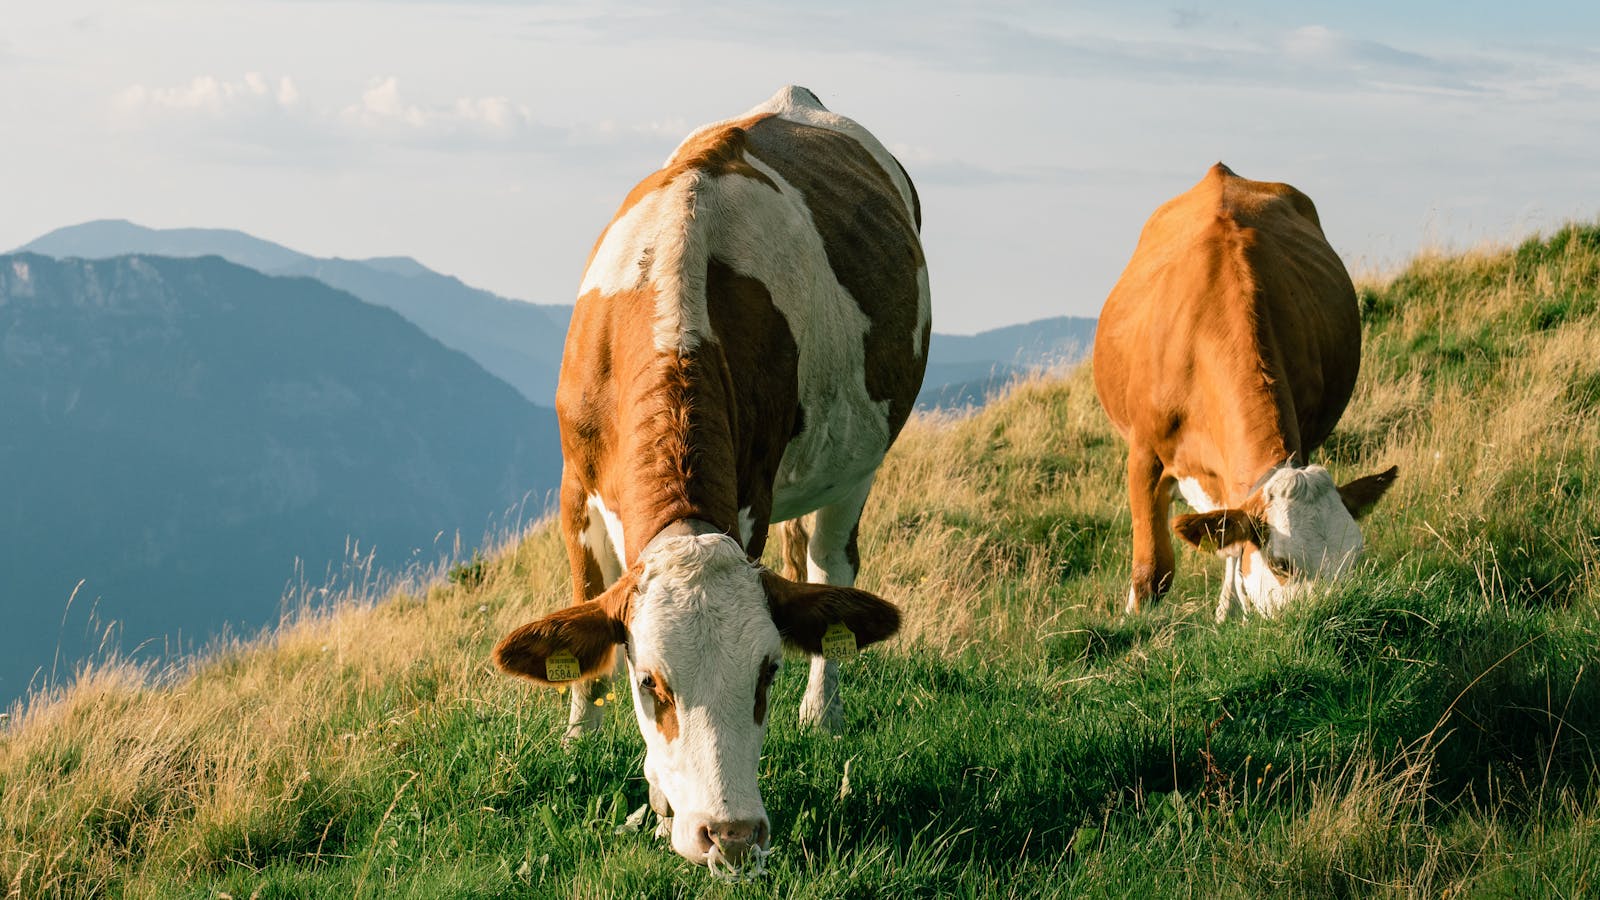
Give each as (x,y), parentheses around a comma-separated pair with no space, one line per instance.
(676,460)
(1267,435)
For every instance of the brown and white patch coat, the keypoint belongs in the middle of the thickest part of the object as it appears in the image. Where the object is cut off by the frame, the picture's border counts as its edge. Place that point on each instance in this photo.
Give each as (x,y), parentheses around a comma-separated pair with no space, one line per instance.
(749,338)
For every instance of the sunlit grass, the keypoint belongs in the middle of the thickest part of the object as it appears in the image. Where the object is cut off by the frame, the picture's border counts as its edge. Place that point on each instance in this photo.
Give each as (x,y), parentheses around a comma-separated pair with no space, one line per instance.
(1421,730)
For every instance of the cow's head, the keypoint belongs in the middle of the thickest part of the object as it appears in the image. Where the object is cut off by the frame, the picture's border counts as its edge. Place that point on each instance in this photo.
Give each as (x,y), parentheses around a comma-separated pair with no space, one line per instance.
(1298,527)
(703,629)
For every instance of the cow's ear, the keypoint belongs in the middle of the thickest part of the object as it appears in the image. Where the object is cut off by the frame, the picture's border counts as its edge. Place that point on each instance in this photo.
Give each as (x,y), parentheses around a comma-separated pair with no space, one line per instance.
(804,612)
(1361,495)
(572,644)
(1219,529)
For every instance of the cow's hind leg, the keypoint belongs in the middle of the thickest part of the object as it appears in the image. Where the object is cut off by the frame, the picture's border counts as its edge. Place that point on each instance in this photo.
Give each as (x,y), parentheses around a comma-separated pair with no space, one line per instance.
(831,557)
(1149,499)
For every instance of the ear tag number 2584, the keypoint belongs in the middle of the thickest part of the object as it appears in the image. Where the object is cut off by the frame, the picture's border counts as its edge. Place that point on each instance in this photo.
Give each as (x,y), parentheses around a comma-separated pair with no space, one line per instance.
(561,666)
(838,642)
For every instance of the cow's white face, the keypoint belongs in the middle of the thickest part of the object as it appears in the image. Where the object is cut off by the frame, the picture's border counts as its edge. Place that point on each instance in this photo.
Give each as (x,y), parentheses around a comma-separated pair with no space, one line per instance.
(1299,528)
(703,629)
(1308,534)
(702,653)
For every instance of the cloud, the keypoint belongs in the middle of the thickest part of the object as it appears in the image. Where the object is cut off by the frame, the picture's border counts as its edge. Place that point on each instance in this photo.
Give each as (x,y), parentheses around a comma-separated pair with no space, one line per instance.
(385,113)
(1040,41)
(265,112)
(210,96)
(381,107)
(1321,52)
(1193,17)
(927,168)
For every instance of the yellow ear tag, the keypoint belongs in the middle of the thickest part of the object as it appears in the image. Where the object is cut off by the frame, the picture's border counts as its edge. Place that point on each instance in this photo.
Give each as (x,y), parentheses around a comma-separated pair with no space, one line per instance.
(838,642)
(561,666)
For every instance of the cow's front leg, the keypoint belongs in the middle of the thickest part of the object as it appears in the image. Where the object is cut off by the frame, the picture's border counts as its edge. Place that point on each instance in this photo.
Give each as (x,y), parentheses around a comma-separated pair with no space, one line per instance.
(587,711)
(596,565)
(832,557)
(1149,500)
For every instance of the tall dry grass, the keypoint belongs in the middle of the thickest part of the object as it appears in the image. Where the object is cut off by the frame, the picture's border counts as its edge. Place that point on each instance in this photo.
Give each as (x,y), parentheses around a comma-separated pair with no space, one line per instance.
(1003,535)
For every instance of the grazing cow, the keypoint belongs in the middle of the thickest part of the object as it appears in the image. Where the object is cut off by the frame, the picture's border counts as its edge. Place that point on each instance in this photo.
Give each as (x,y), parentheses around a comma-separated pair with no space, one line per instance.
(1224,355)
(749,338)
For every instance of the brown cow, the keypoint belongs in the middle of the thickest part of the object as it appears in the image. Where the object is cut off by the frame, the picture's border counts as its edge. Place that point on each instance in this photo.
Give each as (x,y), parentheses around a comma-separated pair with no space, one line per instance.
(1225,355)
(749,338)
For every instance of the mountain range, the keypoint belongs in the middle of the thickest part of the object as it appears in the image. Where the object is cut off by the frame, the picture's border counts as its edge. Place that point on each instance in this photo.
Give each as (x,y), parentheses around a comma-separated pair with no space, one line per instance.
(178,432)
(521,342)
(518,342)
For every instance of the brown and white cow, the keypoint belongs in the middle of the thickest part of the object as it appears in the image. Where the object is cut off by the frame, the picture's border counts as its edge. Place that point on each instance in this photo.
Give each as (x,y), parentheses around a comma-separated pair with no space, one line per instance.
(1224,355)
(749,338)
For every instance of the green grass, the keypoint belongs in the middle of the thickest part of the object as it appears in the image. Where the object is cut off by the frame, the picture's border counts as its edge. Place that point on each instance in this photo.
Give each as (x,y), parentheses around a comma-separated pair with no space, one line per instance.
(1421,730)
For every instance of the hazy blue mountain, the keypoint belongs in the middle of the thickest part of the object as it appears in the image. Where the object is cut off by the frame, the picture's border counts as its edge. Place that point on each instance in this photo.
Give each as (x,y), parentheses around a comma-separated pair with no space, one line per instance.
(964,370)
(519,342)
(522,342)
(176,432)
(105,238)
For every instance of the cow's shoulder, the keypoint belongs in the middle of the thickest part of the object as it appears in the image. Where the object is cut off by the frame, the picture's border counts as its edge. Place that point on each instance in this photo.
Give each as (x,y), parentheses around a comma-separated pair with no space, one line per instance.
(1259,204)
(1223,204)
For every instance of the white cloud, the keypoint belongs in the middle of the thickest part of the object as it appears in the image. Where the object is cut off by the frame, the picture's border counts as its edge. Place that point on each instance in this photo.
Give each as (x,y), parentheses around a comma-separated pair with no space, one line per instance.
(381,105)
(209,95)
(261,110)
(493,112)
(386,113)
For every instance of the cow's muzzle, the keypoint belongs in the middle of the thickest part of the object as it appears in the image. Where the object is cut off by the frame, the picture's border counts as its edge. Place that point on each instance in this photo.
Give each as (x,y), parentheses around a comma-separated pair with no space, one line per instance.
(735,849)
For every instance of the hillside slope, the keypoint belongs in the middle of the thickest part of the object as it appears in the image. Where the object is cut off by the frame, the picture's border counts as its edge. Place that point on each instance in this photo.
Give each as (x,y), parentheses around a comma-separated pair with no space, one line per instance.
(1424,729)
(178,432)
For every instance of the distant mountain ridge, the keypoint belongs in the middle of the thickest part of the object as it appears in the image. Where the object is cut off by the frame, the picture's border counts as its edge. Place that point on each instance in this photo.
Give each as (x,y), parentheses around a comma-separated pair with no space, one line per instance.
(965,370)
(105,238)
(178,431)
(522,342)
(517,341)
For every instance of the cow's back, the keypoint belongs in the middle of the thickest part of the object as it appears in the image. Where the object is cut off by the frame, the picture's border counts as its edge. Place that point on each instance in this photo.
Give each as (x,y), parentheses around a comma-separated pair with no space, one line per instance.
(862,330)
(780,251)
(1234,313)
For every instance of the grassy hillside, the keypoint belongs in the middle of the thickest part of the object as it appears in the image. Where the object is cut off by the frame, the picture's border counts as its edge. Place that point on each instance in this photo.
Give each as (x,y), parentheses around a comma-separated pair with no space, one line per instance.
(1426,729)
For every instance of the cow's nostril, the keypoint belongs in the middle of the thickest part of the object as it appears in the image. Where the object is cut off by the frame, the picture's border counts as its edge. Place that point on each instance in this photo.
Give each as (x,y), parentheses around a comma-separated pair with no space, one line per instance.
(703,838)
(735,840)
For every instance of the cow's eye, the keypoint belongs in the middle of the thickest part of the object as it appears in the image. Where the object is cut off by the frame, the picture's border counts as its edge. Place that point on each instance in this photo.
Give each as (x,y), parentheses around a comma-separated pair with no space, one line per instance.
(648,683)
(769,670)
(1283,568)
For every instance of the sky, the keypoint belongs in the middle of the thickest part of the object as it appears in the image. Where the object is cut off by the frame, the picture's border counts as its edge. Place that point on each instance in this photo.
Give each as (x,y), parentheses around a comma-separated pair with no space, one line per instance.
(494,140)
